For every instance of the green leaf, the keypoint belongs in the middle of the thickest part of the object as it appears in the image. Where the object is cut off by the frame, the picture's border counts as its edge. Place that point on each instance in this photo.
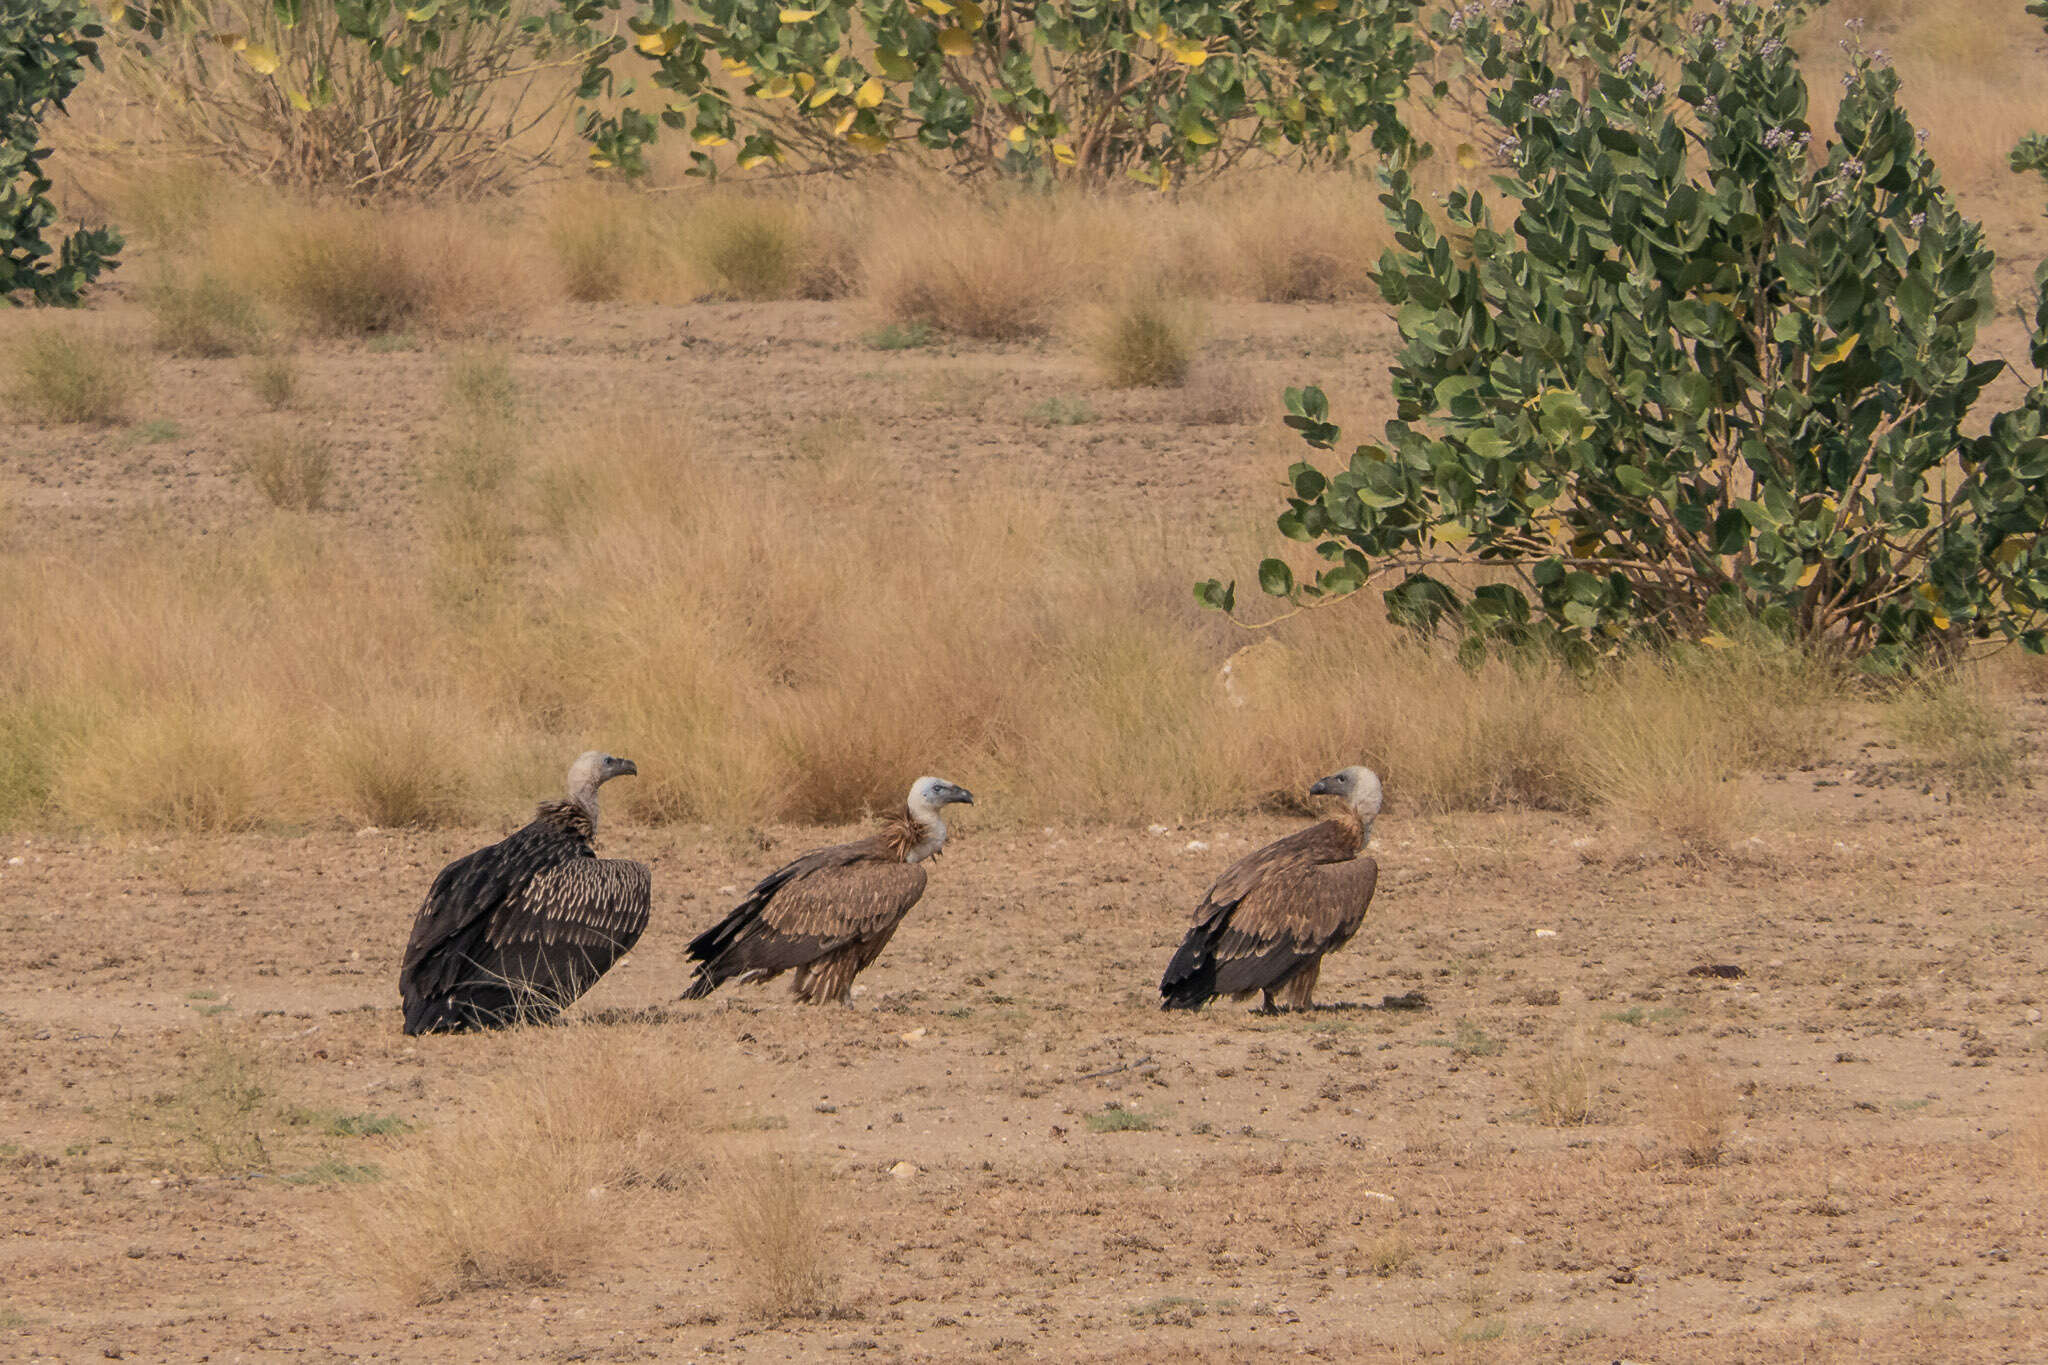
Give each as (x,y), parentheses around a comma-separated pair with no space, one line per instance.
(1215,596)
(1275,578)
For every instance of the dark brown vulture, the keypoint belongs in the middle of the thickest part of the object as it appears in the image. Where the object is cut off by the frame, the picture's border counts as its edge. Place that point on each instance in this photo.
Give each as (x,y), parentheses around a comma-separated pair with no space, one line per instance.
(1266,923)
(829,913)
(515,932)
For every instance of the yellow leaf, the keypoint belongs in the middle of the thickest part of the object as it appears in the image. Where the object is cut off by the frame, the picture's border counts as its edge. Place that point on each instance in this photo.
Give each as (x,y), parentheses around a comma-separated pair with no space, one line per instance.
(806,82)
(796,16)
(1716,640)
(845,121)
(233,42)
(1835,353)
(955,42)
(870,94)
(938,7)
(1928,592)
(823,96)
(1468,155)
(263,59)
(298,101)
(657,44)
(874,144)
(1189,54)
(1062,153)
(1202,137)
(710,139)
(1940,620)
(1812,572)
(971,15)
(740,69)
(747,163)
(1019,135)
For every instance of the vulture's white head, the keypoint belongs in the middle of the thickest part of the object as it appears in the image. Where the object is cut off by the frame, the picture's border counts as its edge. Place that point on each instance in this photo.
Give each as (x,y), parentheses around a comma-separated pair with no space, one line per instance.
(927,795)
(1359,787)
(591,771)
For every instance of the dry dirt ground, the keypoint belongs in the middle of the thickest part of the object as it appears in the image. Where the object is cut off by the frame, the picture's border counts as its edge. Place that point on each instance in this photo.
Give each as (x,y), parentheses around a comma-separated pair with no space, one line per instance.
(1839,1154)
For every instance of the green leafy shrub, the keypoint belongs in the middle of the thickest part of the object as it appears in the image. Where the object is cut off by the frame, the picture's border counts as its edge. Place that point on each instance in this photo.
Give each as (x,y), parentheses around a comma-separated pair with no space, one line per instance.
(1702,376)
(44,48)
(1071,88)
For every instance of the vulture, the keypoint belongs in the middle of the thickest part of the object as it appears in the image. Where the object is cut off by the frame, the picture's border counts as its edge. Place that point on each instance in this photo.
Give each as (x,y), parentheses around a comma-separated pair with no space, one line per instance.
(1266,923)
(829,913)
(515,932)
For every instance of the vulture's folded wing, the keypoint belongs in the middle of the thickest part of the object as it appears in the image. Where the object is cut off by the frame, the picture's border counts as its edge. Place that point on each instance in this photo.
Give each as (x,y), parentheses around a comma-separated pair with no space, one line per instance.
(584,902)
(823,909)
(1319,843)
(1296,913)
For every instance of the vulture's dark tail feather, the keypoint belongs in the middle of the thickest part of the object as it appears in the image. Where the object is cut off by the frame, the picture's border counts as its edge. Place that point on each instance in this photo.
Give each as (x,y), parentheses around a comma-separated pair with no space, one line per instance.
(1190,980)
(703,985)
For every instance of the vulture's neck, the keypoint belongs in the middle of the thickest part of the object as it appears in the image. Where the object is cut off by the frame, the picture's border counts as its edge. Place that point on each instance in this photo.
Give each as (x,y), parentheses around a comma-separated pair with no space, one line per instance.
(916,833)
(583,797)
(1356,827)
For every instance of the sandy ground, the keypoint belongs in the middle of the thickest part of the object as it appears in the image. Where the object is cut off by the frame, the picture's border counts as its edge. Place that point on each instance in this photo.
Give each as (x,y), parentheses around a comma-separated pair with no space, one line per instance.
(1361,1182)
(1840,1153)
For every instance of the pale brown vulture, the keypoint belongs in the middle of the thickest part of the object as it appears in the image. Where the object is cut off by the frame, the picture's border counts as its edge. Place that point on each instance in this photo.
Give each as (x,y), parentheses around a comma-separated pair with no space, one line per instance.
(829,913)
(515,932)
(1266,923)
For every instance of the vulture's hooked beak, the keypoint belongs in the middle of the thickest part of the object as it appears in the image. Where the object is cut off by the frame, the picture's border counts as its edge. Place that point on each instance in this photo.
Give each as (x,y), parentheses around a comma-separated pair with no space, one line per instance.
(623,767)
(959,795)
(1325,786)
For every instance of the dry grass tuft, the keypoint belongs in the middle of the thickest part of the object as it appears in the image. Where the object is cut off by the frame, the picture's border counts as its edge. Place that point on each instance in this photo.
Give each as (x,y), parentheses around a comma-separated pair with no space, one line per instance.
(209,317)
(1958,734)
(521,1192)
(775,1229)
(1696,1104)
(274,378)
(755,247)
(1145,340)
(603,243)
(184,766)
(342,270)
(220,1115)
(398,765)
(991,270)
(291,469)
(70,374)
(1564,1085)
(1302,239)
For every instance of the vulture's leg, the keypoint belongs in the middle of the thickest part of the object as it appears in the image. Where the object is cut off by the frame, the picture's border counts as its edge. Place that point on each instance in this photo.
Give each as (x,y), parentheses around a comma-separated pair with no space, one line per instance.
(830,978)
(1294,993)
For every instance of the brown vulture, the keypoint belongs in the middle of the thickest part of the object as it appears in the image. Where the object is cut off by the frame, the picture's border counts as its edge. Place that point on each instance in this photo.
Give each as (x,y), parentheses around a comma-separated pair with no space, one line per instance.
(515,932)
(1266,923)
(829,913)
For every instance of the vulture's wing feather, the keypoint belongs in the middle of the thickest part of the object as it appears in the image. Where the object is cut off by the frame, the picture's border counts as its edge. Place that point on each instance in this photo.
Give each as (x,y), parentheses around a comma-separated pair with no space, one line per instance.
(588,902)
(1320,843)
(463,899)
(819,903)
(1299,912)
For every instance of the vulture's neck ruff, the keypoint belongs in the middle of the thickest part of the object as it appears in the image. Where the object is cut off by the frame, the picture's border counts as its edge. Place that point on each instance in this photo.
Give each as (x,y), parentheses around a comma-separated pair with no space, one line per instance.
(919,832)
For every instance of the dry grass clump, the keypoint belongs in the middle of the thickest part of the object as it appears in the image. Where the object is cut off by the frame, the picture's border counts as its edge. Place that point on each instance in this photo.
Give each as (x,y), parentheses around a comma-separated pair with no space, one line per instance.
(775,1231)
(603,242)
(1300,238)
(470,479)
(522,1190)
(274,377)
(345,270)
(1696,1104)
(994,269)
(396,764)
(290,468)
(1564,1085)
(1145,340)
(183,766)
(220,1115)
(1958,734)
(207,317)
(757,246)
(66,373)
